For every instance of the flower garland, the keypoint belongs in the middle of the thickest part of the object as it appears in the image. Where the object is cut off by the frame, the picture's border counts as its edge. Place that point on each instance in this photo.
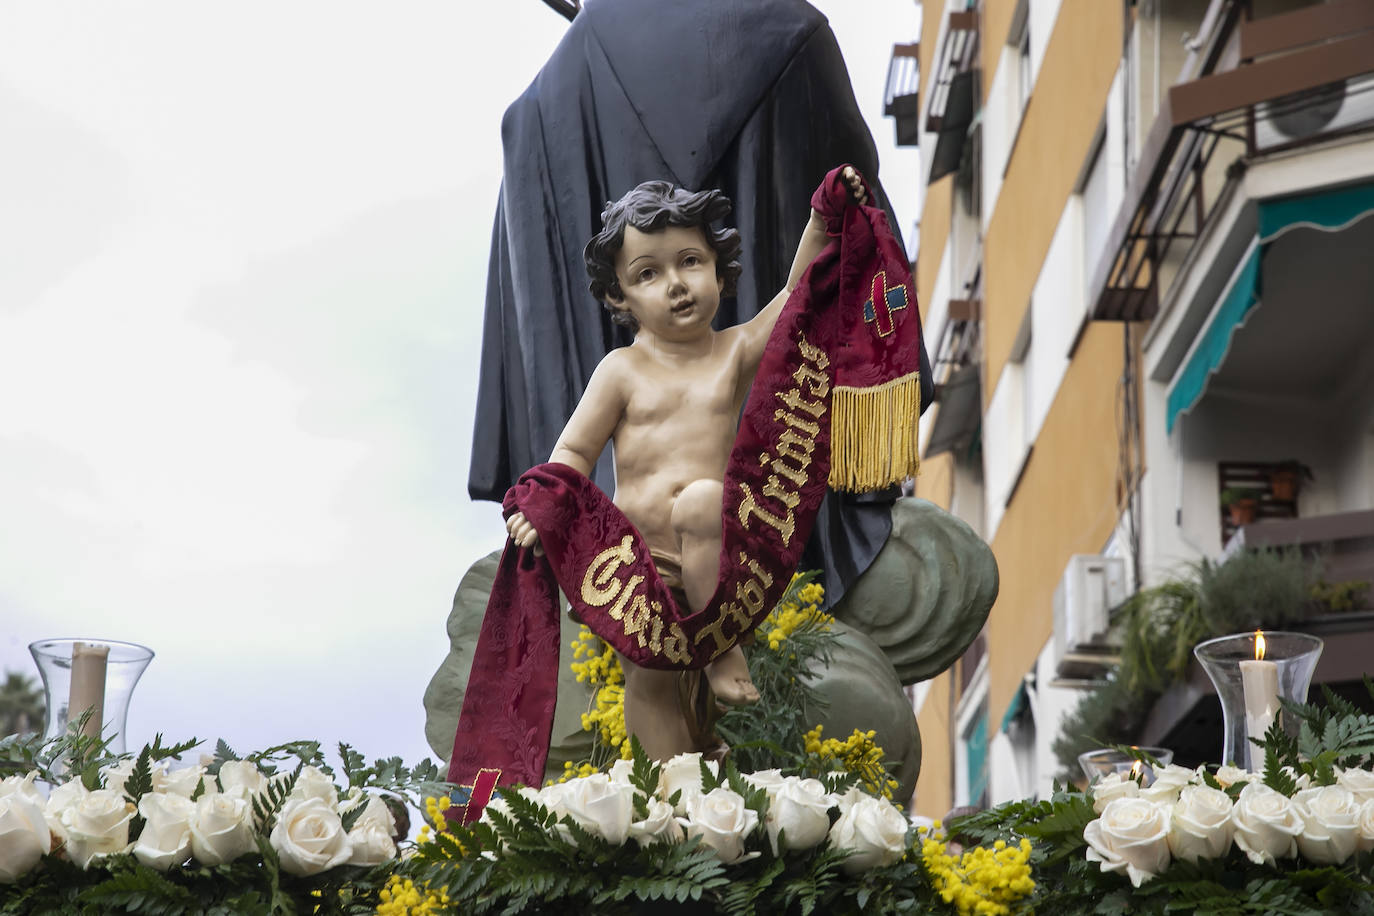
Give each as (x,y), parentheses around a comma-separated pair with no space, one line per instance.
(86,831)
(688,829)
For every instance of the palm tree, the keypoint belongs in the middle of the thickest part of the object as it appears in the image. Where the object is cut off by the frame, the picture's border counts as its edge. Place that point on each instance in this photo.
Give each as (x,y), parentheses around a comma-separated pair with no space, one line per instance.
(21,704)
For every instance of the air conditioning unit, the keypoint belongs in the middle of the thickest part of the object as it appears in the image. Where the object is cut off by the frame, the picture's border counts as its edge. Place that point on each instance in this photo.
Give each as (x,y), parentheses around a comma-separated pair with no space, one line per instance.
(1091,586)
(1336,107)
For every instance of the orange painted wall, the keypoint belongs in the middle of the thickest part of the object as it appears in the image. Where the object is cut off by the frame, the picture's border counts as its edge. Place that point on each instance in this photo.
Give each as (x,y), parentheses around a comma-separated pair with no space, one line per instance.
(1065,504)
(936,212)
(1060,122)
(936,480)
(935,786)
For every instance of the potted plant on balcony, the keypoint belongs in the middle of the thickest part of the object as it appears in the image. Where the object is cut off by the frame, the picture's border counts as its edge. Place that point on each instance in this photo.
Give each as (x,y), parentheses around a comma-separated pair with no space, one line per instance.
(1286,479)
(1240,504)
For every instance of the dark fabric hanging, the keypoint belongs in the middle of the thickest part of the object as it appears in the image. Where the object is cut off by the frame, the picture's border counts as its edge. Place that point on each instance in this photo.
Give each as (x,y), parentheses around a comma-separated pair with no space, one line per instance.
(752,98)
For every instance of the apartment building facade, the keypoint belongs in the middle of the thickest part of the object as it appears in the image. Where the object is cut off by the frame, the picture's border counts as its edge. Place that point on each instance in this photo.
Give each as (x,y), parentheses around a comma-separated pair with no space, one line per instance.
(1144,267)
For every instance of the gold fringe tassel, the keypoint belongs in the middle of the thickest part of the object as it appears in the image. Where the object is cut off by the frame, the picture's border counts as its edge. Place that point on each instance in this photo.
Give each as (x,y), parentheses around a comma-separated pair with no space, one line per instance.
(874,434)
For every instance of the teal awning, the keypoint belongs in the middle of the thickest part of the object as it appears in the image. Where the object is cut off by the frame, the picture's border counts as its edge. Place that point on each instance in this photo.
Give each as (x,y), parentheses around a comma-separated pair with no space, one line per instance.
(1327,211)
(1215,340)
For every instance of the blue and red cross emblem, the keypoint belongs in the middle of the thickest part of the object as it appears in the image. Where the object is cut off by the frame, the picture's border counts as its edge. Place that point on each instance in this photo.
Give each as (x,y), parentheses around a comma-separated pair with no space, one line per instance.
(882,302)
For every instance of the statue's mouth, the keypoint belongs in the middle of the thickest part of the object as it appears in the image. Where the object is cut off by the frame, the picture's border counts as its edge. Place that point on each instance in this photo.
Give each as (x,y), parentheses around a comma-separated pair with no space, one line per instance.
(681,308)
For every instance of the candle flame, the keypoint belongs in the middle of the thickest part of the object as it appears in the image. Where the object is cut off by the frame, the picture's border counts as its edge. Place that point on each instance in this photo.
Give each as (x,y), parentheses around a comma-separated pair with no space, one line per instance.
(1259,644)
(1135,770)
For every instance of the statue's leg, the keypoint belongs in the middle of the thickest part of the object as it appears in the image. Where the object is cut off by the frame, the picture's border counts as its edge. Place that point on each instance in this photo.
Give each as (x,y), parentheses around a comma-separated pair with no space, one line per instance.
(652,713)
(696,519)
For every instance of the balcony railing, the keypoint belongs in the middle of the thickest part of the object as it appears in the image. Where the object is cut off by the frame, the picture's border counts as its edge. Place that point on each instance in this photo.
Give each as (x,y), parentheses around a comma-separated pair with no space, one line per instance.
(1280,82)
(902,101)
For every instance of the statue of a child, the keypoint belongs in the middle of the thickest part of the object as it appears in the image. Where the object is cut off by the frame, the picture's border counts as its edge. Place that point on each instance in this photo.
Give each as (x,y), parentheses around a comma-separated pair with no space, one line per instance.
(670,403)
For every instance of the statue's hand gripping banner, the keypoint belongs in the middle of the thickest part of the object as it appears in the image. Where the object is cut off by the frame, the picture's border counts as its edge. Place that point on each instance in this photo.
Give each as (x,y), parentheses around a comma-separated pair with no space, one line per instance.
(835,402)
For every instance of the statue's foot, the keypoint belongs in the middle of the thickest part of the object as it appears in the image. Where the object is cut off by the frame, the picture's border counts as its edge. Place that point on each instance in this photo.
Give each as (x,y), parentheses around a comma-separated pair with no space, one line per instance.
(730,681)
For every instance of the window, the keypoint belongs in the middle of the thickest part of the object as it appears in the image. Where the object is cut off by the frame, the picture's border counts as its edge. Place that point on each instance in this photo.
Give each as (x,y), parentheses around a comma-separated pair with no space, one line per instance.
(1018,41)
(1097,218)
(972,779)
(1023,69)
(1020,355)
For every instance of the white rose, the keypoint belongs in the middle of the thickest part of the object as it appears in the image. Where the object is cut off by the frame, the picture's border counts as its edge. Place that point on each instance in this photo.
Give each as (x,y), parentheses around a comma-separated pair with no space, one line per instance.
(1360,783)
(166,837)
(241,778)
(683,774)
(97,825)
(722,820)
(497,804)
(768,780)
(181,782)
(24,787)
(873,830)
(1111,787)
(851,797)
(378,814)
(221,829)
(114,776)
(1227,776)
(65,796)
(1167,784)
(1267,825)
(1365,840)
(1132,835)
(600,806)
(620,772)
(551,797)
(658,826)
(1200,826)
(1331,821)
(799,809)
(312,783)
(24,835)
(372,844)
(309,837)
(59,800)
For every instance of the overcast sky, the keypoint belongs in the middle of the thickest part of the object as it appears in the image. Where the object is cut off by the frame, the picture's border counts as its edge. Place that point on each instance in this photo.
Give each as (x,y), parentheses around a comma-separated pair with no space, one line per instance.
(243,252)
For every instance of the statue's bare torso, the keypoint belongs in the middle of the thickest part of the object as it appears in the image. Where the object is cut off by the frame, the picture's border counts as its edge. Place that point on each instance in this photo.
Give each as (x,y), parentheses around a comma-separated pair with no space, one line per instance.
(669,404)
(677,426)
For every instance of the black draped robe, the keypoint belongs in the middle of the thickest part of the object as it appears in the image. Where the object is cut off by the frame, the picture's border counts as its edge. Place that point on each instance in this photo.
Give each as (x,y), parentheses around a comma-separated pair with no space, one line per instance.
(752,98)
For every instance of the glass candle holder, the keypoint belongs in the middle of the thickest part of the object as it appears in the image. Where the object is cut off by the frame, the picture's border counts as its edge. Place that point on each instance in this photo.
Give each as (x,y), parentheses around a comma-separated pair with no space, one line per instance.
(1106,761)
(1252,672)
(123,665)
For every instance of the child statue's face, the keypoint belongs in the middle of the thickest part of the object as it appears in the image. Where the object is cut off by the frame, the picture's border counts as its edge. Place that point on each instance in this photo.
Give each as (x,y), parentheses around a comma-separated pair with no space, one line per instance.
(668,281)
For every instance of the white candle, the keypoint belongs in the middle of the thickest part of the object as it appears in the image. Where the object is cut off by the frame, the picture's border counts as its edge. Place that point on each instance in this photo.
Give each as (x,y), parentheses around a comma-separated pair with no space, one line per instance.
(1260,681)
(88,686)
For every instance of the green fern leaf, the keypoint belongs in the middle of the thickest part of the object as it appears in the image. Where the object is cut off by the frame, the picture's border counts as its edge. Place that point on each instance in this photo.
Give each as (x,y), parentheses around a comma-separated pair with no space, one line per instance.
(1275,777)
(140,781)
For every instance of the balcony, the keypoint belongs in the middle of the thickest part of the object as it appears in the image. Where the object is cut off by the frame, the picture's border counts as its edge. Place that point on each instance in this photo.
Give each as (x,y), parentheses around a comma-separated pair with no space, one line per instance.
(1252,88)
(902,102)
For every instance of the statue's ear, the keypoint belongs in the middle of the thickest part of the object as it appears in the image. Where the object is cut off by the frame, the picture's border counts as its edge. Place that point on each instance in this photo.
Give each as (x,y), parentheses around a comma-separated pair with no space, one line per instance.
(615,299)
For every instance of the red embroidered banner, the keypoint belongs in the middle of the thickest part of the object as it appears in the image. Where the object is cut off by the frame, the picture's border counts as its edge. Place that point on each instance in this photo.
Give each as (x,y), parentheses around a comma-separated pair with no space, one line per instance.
(843,355)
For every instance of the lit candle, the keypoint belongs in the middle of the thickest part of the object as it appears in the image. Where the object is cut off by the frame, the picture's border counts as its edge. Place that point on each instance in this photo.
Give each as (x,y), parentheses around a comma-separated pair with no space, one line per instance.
(1260,680)
(88,686)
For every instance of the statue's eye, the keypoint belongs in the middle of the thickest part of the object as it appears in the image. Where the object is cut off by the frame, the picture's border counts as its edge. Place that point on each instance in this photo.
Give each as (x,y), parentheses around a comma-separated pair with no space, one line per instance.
(647,274)
(691,261)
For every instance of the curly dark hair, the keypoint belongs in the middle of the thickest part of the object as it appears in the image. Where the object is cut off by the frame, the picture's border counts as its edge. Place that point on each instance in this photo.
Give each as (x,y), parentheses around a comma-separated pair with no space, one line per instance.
(649,208)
